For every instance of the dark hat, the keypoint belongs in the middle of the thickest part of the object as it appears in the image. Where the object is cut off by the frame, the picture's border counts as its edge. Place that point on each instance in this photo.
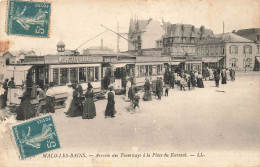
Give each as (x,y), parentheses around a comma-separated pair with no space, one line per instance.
(90,86)
(6,79)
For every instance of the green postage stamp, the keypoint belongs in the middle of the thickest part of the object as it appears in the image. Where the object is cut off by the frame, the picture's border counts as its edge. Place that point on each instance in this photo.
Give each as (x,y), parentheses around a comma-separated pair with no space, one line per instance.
(28,18)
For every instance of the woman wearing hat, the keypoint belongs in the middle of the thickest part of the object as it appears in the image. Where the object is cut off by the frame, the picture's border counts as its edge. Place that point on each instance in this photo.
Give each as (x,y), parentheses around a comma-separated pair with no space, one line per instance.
(147,94)
(75,108)
(89,108)
(110,109)
(128,85)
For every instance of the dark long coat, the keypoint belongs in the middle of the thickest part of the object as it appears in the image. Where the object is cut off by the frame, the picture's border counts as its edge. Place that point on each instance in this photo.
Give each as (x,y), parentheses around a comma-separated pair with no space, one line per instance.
(89,108)
(25,110)
(75,108)
(147,94)
(224,77)
(110,109)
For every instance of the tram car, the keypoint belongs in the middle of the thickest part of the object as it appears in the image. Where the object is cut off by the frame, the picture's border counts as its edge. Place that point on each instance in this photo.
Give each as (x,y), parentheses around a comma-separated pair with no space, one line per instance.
(60,70)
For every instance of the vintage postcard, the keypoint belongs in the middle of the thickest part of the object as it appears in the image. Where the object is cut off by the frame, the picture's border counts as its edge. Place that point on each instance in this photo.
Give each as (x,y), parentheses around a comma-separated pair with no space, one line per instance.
(149,83)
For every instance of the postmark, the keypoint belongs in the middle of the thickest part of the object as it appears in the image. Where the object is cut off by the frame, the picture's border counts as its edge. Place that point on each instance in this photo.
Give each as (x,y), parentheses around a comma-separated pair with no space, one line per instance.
(35,136)
(28,18)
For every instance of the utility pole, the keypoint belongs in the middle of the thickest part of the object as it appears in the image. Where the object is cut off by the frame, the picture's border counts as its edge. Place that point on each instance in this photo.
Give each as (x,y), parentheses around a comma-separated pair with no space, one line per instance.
(223,27)
(118,37)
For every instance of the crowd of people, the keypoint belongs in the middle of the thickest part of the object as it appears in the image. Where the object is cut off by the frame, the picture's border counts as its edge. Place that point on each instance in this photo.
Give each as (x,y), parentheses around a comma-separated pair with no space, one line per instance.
(83,105)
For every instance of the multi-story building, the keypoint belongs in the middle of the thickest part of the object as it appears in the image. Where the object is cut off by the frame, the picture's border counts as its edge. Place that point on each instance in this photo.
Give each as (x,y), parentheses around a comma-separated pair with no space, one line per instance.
(144,33)
(228,50)
(179,42)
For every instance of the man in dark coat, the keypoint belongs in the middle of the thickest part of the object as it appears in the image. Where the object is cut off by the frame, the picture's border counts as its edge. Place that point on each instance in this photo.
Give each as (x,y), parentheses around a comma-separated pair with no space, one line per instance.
(172,80)
(11,83)
(158,91)
(5,86)
(217,77)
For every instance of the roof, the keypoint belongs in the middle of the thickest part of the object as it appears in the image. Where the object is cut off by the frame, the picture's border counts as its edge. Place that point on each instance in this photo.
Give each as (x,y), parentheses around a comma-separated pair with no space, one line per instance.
(138,25)
(186,30)
(231,37)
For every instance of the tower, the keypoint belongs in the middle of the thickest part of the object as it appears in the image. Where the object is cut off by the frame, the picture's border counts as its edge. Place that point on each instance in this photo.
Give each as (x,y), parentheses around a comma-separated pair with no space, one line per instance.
(60,46)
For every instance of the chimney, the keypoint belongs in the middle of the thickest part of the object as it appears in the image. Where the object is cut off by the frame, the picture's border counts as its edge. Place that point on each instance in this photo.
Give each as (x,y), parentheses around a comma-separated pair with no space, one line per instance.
(102,44)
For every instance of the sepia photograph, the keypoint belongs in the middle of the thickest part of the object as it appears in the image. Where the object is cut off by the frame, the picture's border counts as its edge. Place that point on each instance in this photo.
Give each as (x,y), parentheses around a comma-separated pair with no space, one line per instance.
(131,83)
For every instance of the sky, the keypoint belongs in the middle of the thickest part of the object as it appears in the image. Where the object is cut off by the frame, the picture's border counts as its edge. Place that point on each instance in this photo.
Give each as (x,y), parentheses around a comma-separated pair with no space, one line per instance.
(76,21)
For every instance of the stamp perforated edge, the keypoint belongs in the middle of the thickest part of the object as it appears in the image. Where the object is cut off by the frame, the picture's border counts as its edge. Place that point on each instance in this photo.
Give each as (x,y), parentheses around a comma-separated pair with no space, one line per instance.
(24,122)
(31,36)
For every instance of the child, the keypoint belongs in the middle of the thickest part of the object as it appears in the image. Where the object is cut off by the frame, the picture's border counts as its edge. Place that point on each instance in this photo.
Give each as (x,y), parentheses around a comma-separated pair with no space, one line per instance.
(136,100)
(166,91)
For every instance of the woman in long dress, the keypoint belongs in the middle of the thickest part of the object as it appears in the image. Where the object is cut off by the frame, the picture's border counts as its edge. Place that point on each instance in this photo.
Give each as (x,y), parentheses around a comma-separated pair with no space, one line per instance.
(110,109)
(147,93)
(224,77)
(89,109)
(128,85)
(200,80)
(228,74)
(75,108)
(26,109)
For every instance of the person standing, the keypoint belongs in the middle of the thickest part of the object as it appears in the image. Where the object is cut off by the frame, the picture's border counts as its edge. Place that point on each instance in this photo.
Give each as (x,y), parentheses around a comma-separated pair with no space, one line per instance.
(159,87)
(89,108)
(228,74)
(110,109)
(5,86)
(232,74)
(75,105)
(192,79)
(128,85)
(224,77)
(11,83)
(172,80)
(49,101)
(41,97)
(200,80)
(25,110)
(217,77)
(147,92)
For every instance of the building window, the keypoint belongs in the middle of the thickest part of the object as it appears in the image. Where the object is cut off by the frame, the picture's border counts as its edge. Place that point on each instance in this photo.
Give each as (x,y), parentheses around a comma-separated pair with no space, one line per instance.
(233,62)
(247,49)
(56,76)
(233,49)
(82,74)
(258,49)
(247,63)
(222,50)
(64,76)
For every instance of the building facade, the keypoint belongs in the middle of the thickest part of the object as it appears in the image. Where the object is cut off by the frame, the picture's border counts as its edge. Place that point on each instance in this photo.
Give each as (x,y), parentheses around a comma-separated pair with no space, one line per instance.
(179,43)
(144,33)
(228,50)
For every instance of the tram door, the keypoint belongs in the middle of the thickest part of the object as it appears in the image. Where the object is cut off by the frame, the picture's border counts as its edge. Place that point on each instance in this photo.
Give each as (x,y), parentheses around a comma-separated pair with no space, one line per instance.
(41,76)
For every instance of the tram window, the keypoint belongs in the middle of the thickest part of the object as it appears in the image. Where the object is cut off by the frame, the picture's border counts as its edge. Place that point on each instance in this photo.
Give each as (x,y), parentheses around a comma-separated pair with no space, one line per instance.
(150,70)
(158,69)
(74,75)
(142,71)
(55,76)
(96,73)
(137,71)
(46,76)
(63,76)
(82,74)
(90,73)
(154,70)
(146,70)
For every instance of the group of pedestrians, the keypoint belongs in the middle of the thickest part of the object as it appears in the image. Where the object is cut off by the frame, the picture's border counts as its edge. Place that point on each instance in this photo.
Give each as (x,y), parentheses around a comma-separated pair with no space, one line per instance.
(7,84)
(225,75)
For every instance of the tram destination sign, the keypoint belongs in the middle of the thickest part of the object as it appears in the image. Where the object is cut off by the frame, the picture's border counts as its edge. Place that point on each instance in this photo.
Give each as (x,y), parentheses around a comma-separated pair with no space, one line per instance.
(79,59)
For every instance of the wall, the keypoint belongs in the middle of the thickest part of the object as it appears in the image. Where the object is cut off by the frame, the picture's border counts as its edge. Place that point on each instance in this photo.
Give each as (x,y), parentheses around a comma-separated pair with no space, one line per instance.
(153,32)
(240,56)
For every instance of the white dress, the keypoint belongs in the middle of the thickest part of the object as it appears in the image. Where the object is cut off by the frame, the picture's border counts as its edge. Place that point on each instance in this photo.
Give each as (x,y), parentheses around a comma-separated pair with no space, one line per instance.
(128,85)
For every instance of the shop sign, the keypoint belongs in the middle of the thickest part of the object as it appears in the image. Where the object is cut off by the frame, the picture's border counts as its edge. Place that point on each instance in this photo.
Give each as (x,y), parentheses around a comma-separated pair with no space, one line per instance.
(77,59)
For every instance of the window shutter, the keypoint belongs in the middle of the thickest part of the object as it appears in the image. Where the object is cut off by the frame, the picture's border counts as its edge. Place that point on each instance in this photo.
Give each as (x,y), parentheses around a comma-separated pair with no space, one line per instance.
(244,49)
(250,49)
(236,50)
(230,49)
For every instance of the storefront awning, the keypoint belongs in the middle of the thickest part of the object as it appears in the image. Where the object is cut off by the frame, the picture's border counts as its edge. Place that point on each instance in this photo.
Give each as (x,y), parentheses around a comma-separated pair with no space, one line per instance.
(211,59)
(174,63)
(19,68)
(118,65)
(258,59)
